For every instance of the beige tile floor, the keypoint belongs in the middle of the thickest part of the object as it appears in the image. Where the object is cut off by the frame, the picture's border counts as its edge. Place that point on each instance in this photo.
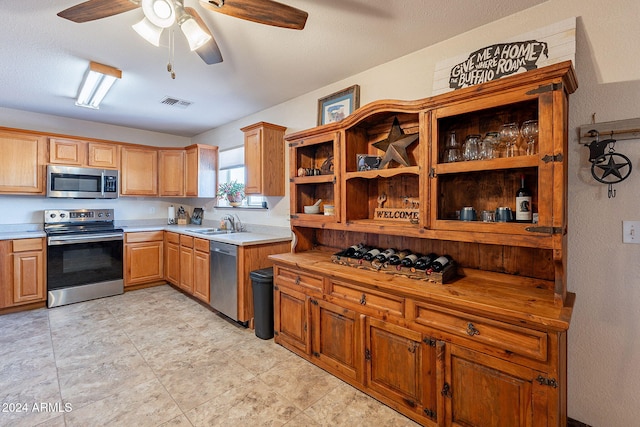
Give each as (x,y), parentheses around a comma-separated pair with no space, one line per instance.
(155,357)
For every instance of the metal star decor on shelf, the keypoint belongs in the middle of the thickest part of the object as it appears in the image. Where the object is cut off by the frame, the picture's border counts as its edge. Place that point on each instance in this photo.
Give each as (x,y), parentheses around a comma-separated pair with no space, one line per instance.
(395,146)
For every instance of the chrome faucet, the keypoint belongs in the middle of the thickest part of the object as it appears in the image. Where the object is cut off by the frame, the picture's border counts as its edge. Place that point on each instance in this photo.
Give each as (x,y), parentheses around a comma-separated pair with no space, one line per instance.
(234,222)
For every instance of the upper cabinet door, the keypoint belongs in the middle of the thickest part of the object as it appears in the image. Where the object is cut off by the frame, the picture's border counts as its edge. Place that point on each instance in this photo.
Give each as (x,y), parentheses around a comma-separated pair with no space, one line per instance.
(139,172)
(104,155)
(22,163)
(171,178)
(264,159)
(67,151)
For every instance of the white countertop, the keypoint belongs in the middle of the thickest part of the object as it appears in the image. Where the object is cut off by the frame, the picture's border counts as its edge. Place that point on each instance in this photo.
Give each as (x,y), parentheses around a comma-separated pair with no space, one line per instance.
(244,238)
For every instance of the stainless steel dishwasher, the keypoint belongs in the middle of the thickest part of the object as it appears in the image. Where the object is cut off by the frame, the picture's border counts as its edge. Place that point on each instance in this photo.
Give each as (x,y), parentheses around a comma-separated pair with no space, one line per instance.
(223,278)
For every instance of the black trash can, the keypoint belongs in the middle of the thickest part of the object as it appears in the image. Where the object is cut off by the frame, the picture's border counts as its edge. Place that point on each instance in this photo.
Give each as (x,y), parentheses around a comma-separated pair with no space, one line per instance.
(262,285)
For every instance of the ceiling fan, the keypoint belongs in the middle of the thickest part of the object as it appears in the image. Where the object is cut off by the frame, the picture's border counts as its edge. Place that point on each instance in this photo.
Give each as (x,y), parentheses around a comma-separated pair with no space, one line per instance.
(161,14)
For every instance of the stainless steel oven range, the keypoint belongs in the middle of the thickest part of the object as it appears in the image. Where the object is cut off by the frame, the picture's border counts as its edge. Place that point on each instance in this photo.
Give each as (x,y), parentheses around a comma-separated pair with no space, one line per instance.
(84,255)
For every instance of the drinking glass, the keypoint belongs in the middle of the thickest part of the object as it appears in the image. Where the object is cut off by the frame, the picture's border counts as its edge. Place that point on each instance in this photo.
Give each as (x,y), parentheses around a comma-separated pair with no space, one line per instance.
(471,147)
(509,134)
(489,146)
(452,151)
(530,134)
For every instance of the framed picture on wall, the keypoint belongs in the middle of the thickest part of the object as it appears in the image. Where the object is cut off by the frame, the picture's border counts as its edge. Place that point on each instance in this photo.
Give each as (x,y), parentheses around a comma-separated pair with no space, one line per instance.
(337,106)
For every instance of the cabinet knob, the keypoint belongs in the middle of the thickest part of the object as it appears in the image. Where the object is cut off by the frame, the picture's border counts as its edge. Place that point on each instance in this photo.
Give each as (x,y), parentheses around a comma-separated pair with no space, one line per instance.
(363,300)
(297,281)
(471,330)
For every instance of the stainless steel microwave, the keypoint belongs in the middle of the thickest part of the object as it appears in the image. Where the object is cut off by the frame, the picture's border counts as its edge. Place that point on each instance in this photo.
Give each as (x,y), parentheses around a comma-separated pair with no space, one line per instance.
(82,183)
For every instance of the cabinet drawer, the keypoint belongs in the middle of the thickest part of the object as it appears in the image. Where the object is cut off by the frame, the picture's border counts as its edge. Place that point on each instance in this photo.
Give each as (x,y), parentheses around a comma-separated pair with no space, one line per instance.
(186,241)
(201,245)
(297,280)
(172,237)
(23,245)
(513,339)
(364,299)
(143,236)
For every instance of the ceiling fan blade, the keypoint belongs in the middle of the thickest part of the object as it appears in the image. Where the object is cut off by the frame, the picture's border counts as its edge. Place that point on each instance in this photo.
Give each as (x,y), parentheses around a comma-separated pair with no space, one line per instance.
(209,52)
(97,9)
(266,12)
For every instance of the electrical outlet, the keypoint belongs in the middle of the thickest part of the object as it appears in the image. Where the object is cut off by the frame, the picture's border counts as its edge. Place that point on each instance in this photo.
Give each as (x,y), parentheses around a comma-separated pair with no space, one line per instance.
(631,232)
(152,210)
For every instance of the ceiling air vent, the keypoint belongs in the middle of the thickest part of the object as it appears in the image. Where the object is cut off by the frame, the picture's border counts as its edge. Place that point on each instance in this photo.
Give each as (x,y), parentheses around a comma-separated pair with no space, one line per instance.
(174,102)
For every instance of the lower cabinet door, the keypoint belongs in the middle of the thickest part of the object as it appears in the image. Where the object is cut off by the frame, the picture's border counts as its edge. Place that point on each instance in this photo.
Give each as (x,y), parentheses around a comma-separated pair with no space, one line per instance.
(186,269)
(201,276)
(401,366)
(482,391)
(172,263)
(291,319)
(143,262)
(335,337)
(28,277)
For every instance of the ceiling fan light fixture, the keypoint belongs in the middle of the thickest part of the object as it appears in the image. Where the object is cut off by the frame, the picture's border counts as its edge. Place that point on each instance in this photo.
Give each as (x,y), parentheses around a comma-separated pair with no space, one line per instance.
(195,35)
(161,13)
(148,31)
(97,82)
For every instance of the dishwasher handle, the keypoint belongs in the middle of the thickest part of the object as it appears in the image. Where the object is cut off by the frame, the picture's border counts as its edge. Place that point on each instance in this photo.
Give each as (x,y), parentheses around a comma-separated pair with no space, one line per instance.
(223,249)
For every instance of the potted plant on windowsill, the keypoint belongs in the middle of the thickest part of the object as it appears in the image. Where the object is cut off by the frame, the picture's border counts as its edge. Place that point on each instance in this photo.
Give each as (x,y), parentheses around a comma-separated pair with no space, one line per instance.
(233,191)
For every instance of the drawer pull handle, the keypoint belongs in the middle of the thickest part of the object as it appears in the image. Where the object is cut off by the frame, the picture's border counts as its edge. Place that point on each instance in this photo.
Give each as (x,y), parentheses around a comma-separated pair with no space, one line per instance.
(471,330)
(363,300)
(297,281)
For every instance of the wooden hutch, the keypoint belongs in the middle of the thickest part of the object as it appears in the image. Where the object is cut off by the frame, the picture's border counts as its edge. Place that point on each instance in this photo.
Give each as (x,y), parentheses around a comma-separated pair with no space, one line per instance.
(487,349)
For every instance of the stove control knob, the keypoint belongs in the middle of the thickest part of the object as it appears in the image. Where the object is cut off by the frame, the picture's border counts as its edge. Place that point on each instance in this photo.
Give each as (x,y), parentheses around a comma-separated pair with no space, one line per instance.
(108,214)
(100,215)
(52,215)
(62,215)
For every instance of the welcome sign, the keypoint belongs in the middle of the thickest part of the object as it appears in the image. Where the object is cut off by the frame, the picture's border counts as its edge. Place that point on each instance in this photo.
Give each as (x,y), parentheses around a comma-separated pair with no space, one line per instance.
(546,46)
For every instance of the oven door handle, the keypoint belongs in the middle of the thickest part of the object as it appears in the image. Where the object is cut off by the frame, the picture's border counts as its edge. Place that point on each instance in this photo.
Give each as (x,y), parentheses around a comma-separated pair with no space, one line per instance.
(94,238)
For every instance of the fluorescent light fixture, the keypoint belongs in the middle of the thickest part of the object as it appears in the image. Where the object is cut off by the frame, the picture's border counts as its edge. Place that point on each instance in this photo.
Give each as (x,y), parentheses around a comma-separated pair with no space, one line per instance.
(195,35)
(148,31)
(96,84)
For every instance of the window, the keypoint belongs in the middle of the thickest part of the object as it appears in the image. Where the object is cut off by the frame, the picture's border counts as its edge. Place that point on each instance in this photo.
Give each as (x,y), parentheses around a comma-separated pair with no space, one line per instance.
(231,168)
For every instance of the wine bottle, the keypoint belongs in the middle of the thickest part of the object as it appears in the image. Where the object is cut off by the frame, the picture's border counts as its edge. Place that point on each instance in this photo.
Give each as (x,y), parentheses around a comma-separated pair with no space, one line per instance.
(397,258)
(424,262)
(523,203)
(410,260)
(371,254)
(440,263)
(361,252)
(352,250)
(384,256)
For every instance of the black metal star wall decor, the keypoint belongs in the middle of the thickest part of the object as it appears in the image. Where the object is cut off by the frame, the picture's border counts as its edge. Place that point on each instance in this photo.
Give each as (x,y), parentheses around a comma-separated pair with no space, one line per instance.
(395,145)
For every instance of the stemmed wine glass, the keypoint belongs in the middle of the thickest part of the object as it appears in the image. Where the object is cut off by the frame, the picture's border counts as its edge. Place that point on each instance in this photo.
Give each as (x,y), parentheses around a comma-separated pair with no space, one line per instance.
(530,134)
(509,134)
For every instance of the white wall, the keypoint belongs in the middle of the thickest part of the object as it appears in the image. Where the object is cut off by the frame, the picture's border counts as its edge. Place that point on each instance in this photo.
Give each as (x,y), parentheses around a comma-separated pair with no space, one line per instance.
(604,339)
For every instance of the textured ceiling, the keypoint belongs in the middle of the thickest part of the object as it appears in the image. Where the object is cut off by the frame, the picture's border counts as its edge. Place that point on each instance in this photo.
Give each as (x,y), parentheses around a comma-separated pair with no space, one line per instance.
(44,57)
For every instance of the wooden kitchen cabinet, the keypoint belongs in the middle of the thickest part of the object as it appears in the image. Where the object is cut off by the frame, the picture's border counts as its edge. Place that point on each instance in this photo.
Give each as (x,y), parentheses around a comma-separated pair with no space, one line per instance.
(488,347)
(264,159)
(336,339)
(172,257)
(22,164)
(201,170)
(67,152)
(103,155)
(172,172)
(186,264)
(512,395)
(201,265)
(315,153)
(139,171)
(291,319)
(143,258)
(23,272)
(81,153)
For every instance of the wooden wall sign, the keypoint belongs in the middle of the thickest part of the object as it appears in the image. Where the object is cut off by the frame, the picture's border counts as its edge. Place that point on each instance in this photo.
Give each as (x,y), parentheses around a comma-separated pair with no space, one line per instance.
(397,214)
(545,46)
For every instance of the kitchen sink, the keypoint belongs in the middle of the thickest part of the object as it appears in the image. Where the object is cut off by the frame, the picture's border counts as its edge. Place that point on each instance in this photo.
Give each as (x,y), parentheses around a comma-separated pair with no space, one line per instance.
(211,231)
